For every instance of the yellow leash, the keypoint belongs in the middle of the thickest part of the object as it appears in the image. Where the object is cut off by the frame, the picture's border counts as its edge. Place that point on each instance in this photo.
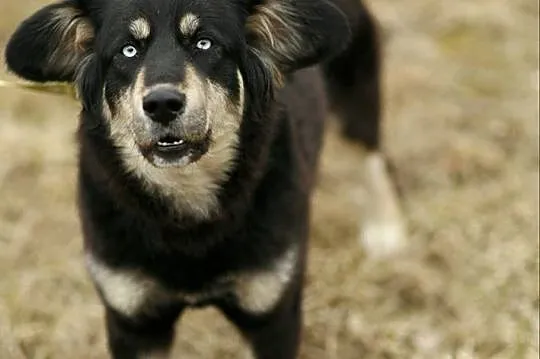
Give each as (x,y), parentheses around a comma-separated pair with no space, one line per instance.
(58,88)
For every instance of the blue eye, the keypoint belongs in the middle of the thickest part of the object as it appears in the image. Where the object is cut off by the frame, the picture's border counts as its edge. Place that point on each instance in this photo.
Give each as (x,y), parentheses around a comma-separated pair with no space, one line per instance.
(204,44)
(129,51)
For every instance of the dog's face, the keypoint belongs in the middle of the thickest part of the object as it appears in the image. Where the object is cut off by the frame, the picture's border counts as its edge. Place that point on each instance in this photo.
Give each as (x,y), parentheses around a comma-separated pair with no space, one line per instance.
(172,87)
(171,78)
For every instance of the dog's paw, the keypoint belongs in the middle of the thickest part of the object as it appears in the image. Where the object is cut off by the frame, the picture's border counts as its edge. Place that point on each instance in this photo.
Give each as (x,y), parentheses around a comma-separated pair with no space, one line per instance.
(381,239)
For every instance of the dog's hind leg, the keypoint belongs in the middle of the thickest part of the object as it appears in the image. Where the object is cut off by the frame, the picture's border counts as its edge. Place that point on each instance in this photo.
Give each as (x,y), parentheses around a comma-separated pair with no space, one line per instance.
(353,80)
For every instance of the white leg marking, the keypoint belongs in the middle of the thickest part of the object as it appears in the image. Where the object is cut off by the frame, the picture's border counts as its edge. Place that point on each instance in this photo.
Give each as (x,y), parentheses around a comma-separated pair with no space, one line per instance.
(383,231)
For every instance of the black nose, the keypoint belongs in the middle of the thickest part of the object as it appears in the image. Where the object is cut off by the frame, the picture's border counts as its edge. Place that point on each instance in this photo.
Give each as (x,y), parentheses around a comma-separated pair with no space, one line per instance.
(164,105)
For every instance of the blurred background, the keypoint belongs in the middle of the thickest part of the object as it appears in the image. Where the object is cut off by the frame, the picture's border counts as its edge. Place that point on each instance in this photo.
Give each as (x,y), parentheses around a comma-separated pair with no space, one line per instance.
(461,122)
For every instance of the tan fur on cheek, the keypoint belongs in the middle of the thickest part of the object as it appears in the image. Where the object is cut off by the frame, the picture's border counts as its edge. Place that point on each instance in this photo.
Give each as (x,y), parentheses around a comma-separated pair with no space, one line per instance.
(225,118)
(106,109)
(195,120)
(122,123)
(125,109)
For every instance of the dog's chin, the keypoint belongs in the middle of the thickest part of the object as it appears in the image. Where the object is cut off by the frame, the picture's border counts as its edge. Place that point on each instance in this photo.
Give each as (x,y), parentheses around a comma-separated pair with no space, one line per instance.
(170,151)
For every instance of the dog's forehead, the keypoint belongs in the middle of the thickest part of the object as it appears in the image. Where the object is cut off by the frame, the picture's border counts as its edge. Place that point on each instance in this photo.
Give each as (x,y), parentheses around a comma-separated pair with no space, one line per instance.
(161,12)
(224,20)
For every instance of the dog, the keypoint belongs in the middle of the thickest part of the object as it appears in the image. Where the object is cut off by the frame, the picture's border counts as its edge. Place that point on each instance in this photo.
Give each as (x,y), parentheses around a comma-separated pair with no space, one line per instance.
(200,131)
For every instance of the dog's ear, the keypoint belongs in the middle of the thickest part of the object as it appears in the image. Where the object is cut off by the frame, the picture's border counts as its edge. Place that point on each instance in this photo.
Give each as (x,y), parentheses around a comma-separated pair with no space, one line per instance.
(291,34)
(51,44)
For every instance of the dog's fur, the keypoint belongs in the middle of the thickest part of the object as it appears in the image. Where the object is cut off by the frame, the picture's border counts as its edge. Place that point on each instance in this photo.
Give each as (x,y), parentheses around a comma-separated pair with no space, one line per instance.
(222,219)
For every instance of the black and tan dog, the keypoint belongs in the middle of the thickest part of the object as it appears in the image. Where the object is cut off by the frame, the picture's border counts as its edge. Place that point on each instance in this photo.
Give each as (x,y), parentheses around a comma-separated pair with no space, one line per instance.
(200,131)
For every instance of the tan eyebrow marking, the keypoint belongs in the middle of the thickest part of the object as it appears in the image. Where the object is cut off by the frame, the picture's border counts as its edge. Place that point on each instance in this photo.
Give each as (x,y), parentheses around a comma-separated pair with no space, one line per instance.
(189,24)
(140,29)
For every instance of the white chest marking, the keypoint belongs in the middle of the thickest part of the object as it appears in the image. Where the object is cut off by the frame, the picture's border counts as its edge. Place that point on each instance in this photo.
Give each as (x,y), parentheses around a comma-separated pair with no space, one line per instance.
(130,292)
(127,292)
(259,292)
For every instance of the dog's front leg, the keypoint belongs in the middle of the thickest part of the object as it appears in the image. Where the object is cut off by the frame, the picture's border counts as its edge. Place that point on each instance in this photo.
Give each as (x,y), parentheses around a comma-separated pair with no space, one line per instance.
(148,336)
(275,334)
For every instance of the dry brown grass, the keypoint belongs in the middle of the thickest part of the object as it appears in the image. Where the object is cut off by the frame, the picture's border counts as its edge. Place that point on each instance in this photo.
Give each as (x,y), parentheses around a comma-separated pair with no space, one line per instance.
(462,125)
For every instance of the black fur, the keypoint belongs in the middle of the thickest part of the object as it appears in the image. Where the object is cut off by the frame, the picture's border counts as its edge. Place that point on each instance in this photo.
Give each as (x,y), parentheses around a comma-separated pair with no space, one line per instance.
(264,203)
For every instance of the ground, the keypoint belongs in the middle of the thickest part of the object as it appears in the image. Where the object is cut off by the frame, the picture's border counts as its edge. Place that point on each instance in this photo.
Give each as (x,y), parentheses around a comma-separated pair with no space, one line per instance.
(461,110)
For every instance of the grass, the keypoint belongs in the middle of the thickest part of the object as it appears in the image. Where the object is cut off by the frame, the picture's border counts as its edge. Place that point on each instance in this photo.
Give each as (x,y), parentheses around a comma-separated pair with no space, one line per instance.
(461,91)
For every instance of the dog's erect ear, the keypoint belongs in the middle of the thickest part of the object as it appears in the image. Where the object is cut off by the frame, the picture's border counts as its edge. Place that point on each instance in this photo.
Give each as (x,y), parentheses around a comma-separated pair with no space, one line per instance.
(51,44)
(291,34)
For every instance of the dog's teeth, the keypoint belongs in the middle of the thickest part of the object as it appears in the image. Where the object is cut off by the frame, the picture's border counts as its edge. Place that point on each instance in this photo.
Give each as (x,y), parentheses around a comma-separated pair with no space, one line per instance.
(174,143)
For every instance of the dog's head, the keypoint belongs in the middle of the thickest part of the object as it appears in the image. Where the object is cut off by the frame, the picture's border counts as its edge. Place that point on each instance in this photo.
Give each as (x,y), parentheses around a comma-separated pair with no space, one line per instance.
(170,77)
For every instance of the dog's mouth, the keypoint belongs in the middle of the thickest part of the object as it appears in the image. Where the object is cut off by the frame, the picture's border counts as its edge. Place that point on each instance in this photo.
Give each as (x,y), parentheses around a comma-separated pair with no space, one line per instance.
(174,151)
(169,144)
